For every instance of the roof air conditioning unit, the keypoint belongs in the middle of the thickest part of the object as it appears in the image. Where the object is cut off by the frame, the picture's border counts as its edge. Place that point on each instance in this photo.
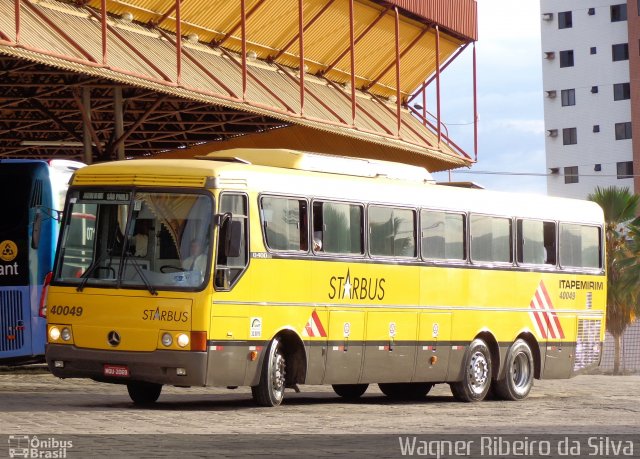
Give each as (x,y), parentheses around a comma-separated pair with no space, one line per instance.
(549,55)
(547,16)
(552,133)
(551,94)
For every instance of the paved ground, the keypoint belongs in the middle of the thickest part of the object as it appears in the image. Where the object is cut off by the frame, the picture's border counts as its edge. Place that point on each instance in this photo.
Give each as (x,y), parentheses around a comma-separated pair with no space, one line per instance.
(36,403)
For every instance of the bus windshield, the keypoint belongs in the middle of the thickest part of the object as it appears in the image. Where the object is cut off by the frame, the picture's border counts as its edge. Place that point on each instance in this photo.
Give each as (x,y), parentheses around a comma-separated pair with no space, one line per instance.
(135,239)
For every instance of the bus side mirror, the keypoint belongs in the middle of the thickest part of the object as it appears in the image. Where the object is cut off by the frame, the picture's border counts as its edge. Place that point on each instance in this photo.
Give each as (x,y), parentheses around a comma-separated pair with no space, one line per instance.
(233,238)
(35,234)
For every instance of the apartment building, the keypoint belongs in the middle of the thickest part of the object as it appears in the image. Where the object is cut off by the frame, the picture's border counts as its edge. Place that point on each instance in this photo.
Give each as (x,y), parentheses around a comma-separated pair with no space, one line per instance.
(591,83)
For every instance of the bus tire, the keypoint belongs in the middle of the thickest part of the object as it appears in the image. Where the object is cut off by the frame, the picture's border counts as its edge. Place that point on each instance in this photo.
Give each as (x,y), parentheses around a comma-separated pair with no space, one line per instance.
(144,393)
(519,371)
(270,389)
(476,377)
(350,391)
(405,391)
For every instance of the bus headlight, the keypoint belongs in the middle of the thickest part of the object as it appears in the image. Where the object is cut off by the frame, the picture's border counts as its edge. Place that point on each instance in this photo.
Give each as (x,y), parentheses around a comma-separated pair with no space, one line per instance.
(54,333)
(65,334)
(183,340)
(167,339)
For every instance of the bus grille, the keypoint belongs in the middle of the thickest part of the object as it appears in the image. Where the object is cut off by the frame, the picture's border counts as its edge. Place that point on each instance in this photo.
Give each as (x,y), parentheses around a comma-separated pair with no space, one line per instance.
(12,325)
(588,346)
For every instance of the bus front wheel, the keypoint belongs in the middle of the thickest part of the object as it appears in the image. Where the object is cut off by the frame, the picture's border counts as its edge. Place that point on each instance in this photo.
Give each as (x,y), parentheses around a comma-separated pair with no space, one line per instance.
(350,391)
(144,393)
(476,377)
(270,389)
(518,379)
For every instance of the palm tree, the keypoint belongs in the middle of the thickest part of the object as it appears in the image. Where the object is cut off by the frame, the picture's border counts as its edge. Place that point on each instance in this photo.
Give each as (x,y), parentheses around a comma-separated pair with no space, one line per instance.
(619,207)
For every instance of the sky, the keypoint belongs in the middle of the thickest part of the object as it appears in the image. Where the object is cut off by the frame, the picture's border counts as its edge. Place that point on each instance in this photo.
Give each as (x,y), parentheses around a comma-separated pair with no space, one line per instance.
(510,99)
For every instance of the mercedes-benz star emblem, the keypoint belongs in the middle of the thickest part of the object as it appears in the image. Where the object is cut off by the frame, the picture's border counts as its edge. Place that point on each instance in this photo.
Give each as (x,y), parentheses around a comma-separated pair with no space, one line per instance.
(113,338)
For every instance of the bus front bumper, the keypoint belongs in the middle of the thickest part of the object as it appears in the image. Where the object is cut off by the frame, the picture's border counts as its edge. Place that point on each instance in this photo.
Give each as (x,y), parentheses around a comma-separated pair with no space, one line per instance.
(161,367)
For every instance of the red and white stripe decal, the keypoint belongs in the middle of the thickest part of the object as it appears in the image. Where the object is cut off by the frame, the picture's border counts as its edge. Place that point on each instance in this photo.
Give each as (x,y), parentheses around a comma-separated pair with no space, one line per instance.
(544,318)
(314,328)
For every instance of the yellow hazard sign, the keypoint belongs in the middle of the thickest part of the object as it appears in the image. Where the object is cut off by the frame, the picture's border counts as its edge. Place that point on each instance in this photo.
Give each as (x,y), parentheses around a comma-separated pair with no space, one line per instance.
(8,250)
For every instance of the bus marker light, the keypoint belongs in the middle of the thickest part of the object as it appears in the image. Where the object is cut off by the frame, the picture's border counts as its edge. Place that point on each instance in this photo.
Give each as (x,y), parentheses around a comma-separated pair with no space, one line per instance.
(54,333)
(58,363)
(181,371)
(65,334)
(183,340)
(253,355)
(199,341)
(434,359)
(167,339)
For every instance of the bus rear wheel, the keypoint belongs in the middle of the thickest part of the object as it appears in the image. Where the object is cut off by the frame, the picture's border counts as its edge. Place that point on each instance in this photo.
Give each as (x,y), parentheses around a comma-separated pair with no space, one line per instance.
(405,391)
(518,378)
(270,389)
(476,377)
(144,393)
(350,391)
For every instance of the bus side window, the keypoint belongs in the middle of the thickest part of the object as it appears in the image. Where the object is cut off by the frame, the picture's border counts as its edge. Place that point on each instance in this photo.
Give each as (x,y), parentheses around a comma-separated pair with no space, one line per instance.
(284,222)
(228,268)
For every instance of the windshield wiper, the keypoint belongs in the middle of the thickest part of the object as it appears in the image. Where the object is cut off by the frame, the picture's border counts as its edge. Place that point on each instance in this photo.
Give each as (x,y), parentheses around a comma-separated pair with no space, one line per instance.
(87,273)
(141,273)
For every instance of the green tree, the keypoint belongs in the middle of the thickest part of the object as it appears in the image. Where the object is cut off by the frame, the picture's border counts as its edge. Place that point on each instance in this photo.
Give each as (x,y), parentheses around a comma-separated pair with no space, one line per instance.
(619,207)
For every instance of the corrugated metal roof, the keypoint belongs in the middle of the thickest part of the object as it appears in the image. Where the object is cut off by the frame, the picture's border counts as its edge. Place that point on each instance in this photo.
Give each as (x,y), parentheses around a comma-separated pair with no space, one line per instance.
(327,106)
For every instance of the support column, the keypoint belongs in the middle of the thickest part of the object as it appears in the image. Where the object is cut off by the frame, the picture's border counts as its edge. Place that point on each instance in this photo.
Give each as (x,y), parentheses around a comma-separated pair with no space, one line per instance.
(86,131)
(118,114)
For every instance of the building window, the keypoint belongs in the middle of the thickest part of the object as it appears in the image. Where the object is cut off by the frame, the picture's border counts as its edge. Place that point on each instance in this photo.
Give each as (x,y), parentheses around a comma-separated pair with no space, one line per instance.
(564,20)
(619,12)
(568,97)
(571,174)
(619,52)
(596,128)
(621,91)
(566,58)
(569,136)
(594,50)
(594,90)
(592,11)
(625,169)
(623,131)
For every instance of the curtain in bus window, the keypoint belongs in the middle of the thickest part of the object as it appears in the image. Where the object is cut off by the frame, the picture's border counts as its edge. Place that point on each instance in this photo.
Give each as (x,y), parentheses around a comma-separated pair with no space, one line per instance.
(171,210)
(490,239)
(284,223)
(391,231)
(579,246)
(340,228)
(531,242)
(442,235)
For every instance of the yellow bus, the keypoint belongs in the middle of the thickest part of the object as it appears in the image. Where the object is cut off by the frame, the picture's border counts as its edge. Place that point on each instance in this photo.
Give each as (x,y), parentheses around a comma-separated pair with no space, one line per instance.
(274,268)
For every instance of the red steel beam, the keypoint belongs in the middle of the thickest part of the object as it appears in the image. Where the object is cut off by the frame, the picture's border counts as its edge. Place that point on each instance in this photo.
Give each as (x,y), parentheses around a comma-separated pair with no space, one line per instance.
(178,44)
(438,82)
(239,24)
(165,15)
(86,118)
(305,28)
(352,45)
(475,105)
(430,80)
(103,30)
(138,122)
(397,63)
(301,46)
(360,37)
(243,23)
(17,13)
(61,32)
(446,138)
(408,126)
(404,52)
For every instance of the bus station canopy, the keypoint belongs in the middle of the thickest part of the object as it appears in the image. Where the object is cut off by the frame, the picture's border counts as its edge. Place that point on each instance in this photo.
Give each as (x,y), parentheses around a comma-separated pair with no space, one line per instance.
(333,76)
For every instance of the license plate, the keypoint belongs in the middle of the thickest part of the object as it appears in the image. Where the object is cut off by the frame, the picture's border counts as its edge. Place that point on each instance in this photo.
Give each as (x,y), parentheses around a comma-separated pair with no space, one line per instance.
(118,371)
